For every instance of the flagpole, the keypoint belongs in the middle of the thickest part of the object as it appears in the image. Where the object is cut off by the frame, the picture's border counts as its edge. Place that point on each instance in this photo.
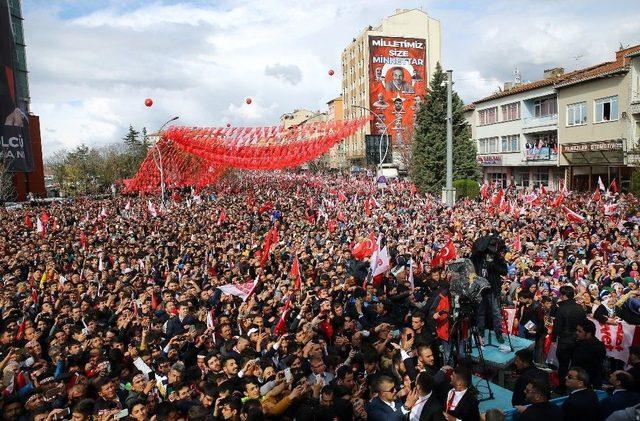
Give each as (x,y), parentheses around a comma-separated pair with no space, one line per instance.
(157,149)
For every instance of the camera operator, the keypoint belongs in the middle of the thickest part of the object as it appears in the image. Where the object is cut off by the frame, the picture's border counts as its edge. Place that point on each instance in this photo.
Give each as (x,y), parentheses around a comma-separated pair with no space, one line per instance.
(488,259)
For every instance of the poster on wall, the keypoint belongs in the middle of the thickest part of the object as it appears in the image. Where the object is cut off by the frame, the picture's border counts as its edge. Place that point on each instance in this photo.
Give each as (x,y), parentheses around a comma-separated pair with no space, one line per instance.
(15,150)
(397,75)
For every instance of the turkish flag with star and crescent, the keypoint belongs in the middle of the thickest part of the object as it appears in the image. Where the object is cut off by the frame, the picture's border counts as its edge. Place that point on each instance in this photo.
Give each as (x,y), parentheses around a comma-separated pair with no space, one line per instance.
(445,254)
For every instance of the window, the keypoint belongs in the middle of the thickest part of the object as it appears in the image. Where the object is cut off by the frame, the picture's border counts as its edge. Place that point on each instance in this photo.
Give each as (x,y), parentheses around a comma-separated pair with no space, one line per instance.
(540,179)
(606,109)
(488,145)
(577,114)
(511,143)
(545,107)
(521,178)
(498,178)
(511,111)
(482,145)
(488,116)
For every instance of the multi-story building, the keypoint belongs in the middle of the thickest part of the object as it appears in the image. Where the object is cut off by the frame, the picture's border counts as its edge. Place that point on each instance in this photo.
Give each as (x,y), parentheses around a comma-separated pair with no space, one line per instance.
(336,155)
(565,128)
(599,121)
(385,70)
(516,131)
(19,161)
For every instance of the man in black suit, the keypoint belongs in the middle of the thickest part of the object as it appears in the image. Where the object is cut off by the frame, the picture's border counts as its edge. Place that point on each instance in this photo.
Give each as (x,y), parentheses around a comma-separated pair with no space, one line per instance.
(385,407)
(461,404)
(178,325)
(527,371)
(422,402)
(589,352)
(623,395)
(537,393)
(582,403)
(634,370)
(425,361)
(564,331)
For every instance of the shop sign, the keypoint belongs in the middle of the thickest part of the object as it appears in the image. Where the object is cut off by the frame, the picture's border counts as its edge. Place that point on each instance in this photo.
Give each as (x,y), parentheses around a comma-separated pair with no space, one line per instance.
(489,160)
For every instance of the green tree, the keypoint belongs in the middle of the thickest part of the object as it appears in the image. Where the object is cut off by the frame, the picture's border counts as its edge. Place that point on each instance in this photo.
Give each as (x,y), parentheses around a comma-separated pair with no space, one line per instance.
(430,139)
(131,139)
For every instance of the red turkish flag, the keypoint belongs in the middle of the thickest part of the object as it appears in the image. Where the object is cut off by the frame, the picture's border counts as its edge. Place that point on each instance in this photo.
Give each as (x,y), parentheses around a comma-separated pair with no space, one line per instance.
(281,326)
(44,217)
(573,216)
(497,197)
(27,222)
(365,248)
(367,208)
(558,200)
(614,186)
(295,273)
(484,190)
(331,225)
(597,196)
(445,254)
(342,197)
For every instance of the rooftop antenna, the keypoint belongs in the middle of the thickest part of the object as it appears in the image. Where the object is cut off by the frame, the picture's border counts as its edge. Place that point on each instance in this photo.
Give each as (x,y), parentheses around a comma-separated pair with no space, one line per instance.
(577,59)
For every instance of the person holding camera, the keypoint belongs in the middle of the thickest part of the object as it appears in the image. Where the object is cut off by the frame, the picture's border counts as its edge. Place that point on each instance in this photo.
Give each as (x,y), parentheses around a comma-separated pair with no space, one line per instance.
(488,260)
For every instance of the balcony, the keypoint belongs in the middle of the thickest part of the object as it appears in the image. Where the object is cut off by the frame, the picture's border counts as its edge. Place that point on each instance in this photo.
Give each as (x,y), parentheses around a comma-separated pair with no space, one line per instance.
(544,154)
(540,124)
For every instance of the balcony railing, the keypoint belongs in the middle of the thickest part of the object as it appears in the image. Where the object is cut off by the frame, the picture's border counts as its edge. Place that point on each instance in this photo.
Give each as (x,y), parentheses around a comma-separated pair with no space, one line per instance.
(541,154)
(532,122)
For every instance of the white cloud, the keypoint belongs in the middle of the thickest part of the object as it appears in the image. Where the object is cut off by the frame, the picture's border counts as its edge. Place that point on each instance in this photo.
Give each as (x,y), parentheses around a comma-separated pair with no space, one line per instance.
(89,74)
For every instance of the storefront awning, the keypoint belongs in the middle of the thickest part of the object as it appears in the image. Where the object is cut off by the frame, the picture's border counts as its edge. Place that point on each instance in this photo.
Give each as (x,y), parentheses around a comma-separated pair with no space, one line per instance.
(595,153)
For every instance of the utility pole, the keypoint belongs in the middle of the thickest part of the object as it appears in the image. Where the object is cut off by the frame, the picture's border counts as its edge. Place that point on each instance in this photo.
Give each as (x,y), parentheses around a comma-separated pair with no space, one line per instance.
(449,192)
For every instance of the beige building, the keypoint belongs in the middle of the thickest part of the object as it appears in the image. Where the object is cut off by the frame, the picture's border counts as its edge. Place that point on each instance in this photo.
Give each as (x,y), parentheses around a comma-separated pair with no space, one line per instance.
(301,116)
(599,121)
(336,157)
(357,67)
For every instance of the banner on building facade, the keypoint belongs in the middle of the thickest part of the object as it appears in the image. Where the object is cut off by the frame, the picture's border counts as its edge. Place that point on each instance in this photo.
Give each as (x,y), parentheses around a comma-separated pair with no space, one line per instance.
(397,83)
(15,149)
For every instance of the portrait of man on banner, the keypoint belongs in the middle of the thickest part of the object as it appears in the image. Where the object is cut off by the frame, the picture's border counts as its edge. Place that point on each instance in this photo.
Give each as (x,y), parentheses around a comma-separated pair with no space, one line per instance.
(15,152)
(398,82)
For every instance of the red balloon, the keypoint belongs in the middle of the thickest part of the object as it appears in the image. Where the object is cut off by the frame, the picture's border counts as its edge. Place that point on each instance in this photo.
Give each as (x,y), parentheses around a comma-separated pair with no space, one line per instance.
(248,100)
(331,72)
(228,124)
(148,102)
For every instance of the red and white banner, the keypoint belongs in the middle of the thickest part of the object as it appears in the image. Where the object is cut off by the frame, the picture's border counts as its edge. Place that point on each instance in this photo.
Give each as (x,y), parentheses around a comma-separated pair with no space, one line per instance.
(616,339)
(240,290)
(508,321)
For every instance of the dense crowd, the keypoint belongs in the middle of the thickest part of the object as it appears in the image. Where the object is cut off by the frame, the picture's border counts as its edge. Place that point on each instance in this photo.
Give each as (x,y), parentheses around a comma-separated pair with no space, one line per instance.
(123,308)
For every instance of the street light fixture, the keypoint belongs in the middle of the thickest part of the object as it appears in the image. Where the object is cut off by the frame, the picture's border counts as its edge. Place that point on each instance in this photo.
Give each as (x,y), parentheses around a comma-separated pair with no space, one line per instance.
(383,135)
(158,162)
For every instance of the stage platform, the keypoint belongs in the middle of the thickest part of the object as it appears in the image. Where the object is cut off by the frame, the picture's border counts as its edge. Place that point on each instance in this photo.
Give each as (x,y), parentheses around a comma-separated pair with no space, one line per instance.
(496,358)
(501,396)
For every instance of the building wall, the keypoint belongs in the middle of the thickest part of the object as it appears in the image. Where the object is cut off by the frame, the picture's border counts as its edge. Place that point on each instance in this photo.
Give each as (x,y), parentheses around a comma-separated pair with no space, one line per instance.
(32,182)
(410,23)
(589,92)
(514,165)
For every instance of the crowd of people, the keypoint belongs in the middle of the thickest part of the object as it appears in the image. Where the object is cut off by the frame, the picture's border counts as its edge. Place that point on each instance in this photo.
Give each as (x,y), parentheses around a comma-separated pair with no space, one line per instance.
(253,300)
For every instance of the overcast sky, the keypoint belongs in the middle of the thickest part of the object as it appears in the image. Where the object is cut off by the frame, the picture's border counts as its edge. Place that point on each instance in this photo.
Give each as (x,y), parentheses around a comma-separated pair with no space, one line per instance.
(93,62)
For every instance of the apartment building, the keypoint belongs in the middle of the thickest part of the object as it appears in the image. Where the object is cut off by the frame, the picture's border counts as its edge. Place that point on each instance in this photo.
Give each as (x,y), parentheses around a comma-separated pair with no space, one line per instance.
(566,128)
(385,70)
(516,131)
(599,122)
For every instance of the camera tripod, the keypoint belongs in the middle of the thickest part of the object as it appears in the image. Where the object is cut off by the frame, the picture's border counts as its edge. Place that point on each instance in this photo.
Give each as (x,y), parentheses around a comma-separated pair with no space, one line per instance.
(458,340)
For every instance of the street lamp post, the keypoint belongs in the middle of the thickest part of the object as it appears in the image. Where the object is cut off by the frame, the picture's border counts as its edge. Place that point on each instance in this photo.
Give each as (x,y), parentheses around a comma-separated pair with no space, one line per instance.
(449,192)
(383,135)
(158,162)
